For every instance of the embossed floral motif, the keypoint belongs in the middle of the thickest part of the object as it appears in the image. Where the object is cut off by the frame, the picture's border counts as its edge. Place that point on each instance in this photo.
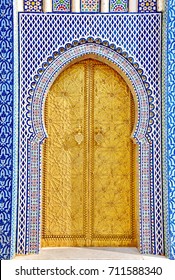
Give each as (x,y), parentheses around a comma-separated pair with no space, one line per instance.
(63,157)
(66,189)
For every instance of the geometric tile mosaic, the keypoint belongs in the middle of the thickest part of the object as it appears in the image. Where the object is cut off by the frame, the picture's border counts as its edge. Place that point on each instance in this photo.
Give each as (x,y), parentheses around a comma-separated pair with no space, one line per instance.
(147,6)
(38,91)
(39,39)
(90,6)
(7,222)
(61,5)
(33,6)
(169,125)
(148,61)
(119,5)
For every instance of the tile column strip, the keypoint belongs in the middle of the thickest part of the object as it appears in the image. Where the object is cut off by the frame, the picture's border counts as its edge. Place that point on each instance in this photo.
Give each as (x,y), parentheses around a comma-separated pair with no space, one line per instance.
(7,188)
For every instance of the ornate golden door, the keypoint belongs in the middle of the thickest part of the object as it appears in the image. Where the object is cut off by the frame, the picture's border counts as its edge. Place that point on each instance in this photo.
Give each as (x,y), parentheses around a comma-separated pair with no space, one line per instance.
(88,159)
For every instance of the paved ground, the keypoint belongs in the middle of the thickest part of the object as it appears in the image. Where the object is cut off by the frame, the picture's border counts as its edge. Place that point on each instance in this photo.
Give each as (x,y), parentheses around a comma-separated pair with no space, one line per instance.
(92,253)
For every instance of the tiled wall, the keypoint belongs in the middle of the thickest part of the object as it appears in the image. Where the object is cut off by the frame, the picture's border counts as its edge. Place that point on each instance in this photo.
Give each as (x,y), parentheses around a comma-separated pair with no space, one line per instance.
(61,6)
(147,6)
(90,6)
(119,5)
(137,35)
(33,6)
(169,127)
(6,103)
(6,130)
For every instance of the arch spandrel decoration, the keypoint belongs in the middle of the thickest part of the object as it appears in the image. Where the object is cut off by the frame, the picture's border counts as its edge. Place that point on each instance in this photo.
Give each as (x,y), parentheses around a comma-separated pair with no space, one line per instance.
(119,60)
(142,134)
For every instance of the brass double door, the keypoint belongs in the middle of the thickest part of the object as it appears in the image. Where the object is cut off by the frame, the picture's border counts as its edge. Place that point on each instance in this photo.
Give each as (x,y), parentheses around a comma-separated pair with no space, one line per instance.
(88,159)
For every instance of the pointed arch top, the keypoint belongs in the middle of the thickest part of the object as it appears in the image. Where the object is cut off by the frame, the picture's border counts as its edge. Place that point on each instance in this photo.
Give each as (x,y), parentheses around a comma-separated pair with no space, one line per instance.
(101,51)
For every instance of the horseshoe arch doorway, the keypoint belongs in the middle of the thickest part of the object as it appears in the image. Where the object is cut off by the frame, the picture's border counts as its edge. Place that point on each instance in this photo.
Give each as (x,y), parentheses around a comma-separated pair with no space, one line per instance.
(89,166)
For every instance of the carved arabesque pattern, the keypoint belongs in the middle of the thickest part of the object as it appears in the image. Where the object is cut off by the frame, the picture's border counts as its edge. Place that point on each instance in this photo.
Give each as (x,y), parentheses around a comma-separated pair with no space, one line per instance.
(63,157)
(113,158)
(89,196)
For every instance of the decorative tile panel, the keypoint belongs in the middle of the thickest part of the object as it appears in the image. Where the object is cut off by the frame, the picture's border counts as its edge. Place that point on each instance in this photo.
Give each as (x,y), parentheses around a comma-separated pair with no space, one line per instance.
(143,34)
(118,5)
(61,5)
(90,6)
(45,77)
(33,6)
(7,212)
(147,6)
(168,128)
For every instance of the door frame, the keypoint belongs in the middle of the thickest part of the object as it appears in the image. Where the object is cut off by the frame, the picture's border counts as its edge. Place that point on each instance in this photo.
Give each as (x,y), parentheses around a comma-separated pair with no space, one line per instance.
(149,194)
